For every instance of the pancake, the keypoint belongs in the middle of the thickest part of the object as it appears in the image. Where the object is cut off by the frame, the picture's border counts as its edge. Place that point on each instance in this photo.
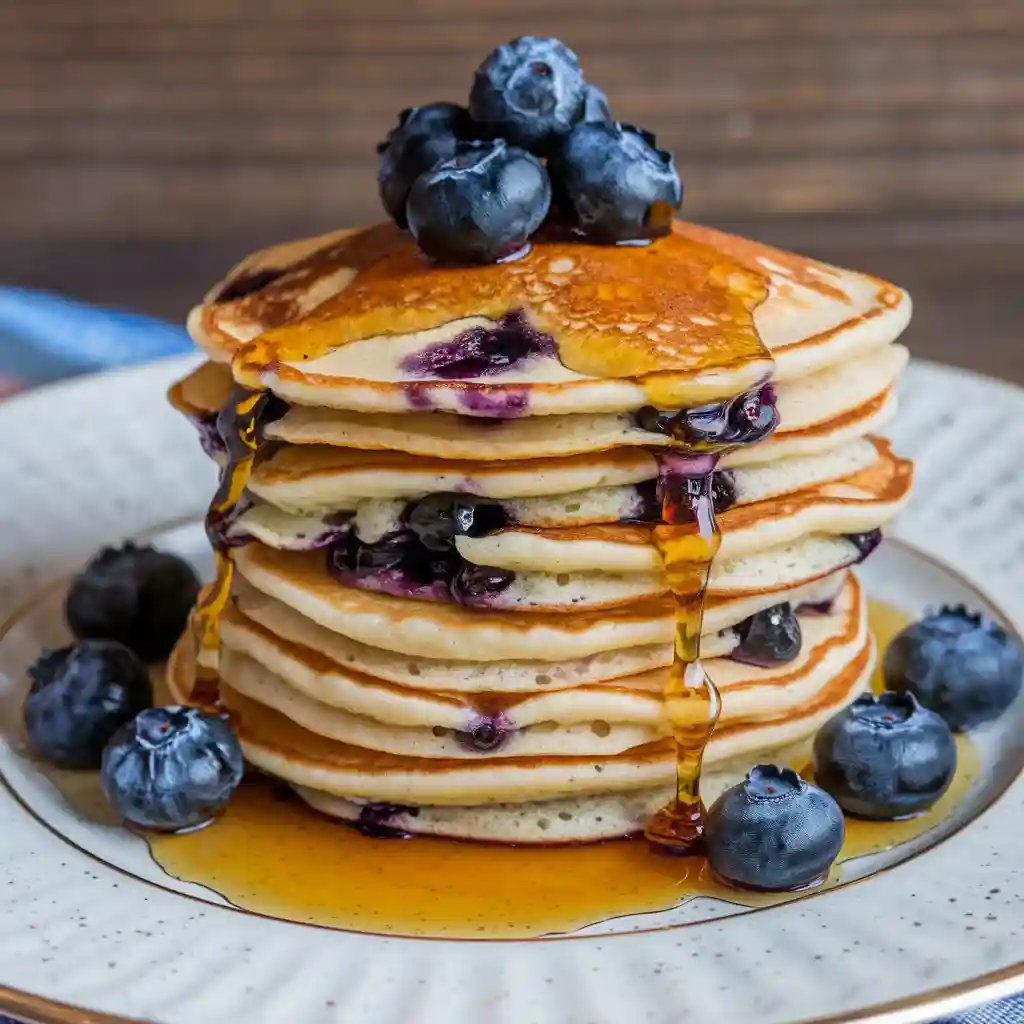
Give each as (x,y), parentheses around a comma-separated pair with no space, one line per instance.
(862,502)
(277,745)
(466,678)
(203,392)
(374,518)
(805,404)
(627,324)
(548,822)
(321,478)
(434,630)
(264,666)
(533,710)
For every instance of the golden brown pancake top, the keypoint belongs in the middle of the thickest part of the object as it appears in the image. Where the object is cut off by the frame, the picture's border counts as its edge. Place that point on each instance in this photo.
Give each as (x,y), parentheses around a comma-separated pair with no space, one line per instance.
(675,306)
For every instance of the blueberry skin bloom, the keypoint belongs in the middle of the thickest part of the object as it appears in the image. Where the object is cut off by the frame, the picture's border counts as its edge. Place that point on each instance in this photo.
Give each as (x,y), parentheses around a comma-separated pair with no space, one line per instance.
(171,768)
(80,696)
(423,138)
(773,832)
(480,206)
(613,184)
(960,665)
(885,757)
(530,91)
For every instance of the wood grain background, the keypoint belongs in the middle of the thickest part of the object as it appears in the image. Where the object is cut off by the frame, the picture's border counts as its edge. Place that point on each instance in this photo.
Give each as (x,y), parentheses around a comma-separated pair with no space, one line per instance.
(146,145)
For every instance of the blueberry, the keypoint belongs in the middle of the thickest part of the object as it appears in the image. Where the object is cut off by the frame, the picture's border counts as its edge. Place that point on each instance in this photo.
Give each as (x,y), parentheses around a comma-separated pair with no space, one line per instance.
(484,738)
(363,559)
(595,105)
(773,831)
(771,637)
(476,584)
(723,490)
(529,91)
(209,435)
(438,519)
(80,696)
(613,184)
(423,138)
(481,205)
(171,768)
(865,543)
(375,821)
(885,757)
(137,595)
(960,665)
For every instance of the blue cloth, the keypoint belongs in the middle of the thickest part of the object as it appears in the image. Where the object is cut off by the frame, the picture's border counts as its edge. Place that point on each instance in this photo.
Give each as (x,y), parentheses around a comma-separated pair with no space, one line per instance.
(44,337)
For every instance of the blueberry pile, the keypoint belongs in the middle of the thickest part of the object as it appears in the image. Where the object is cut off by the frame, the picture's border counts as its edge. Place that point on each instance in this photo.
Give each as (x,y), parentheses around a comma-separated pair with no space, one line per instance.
(89,703)
(473,184)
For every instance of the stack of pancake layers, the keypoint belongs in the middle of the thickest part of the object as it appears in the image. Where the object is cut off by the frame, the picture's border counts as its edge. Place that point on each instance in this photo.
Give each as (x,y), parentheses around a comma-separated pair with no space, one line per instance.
(447,614)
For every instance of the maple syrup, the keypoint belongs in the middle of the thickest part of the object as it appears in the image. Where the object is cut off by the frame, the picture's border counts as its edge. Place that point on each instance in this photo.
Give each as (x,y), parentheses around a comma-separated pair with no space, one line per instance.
(692,703)
(271,854)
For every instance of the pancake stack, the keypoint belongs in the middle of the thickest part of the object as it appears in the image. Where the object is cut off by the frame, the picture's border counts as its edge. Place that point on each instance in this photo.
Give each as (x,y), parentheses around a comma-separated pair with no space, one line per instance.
(447,614)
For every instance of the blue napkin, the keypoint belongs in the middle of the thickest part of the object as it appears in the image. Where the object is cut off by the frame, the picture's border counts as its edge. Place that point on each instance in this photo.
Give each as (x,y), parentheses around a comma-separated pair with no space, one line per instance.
(44,337)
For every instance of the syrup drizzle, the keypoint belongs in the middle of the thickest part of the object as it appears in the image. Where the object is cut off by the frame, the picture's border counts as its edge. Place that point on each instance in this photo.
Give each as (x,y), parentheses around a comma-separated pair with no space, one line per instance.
(241,425)
(691,700)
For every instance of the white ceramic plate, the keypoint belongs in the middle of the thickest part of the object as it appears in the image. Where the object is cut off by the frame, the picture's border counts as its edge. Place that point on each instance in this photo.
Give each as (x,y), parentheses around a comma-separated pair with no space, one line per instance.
(90,925)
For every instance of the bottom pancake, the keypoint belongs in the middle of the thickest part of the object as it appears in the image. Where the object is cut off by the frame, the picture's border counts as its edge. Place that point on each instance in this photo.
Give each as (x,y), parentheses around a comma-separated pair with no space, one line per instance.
(547,822)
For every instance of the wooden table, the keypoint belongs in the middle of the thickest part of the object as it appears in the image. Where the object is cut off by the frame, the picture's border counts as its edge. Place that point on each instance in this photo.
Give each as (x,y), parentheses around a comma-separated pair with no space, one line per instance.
(145,146)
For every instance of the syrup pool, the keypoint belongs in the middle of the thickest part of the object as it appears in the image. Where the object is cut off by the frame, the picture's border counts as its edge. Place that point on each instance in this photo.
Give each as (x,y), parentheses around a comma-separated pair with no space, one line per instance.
(271,855)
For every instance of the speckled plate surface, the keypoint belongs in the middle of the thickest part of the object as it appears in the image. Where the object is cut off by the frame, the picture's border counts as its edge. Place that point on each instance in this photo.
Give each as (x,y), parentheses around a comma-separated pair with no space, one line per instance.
(91,929)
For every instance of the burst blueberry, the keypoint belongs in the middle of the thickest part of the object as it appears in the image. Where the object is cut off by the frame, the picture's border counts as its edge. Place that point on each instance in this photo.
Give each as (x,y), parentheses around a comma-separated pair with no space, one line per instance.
(959,664)
(479,584)
(481,205)
(770,637)
(136,595)
(485,737)
(885,757)
(438,519)
(613,184)
(423,138)
(483,352)
(774,831)
(746,419)
(80,696)
(172,768)
(375,821)
(529,91)
(865,543)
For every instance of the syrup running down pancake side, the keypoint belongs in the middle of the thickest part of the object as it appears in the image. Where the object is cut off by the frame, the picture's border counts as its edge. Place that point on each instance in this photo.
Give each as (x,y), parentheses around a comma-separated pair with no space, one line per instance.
(675,318)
